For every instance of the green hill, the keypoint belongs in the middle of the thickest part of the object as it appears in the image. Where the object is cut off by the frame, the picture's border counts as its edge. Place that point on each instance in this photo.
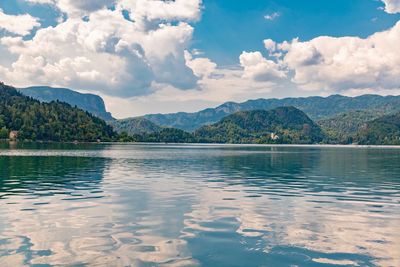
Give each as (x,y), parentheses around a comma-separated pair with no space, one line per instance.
(54,121)
(382,131)
(281,125)
(342,129)
(316,107)
(135,126)
(166,135)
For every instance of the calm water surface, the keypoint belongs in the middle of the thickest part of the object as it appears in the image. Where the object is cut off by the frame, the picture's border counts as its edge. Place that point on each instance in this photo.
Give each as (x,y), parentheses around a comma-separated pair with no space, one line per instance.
(192,205)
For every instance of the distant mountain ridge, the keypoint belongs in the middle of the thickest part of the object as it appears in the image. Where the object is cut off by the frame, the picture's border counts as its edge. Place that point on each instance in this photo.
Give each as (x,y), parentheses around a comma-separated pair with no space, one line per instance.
(315,107)
(89,102)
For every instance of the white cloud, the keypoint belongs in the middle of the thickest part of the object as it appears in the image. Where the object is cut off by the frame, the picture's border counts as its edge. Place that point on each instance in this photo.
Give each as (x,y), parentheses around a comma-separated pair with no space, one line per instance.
(392,6)
(216,85)
(258,68)
(270,45)
(140,10)
(346,63)
(166,10)
(76,8)
(18,24)
(272,16)
(142,64)
(107,52)
(202,67)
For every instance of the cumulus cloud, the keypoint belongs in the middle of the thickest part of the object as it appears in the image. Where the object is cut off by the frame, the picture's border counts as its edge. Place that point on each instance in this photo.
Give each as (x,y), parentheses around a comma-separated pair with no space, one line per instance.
(166,10)
(18,24)
(106,51)
(392,6)
(75,7)
(138,50)
(202,67)
(270,45)
(346,63)
(139,10)
(258,68)
(216,85)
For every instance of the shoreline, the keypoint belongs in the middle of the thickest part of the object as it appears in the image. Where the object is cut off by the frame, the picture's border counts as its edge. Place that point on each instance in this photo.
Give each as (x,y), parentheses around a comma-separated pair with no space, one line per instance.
(204,144)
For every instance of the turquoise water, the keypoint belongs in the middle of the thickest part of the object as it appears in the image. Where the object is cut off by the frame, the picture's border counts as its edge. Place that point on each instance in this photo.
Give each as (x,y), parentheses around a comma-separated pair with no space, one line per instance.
(198,205)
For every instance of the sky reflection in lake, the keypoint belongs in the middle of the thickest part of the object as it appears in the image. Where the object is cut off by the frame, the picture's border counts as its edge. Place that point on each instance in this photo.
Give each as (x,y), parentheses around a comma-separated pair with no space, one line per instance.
(168,205)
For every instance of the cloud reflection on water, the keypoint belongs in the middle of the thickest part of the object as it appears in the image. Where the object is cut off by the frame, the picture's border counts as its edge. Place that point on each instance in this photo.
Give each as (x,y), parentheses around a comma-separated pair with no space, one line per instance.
(183,206)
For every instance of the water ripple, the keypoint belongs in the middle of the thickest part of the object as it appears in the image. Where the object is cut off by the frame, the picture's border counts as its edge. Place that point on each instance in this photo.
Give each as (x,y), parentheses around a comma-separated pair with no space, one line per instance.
(173,205)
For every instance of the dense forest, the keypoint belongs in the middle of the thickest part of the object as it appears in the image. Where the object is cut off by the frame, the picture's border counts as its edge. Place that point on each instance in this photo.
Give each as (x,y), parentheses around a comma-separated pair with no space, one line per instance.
(281,125)
(343,128)
(286,125)
(54,121)
(60,122)
(317,108)
(382,131)
(135,126)
(166,135)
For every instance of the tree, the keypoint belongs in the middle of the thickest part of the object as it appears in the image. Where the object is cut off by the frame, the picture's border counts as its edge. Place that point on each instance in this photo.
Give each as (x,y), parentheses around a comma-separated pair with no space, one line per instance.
(55,121)
(4,133)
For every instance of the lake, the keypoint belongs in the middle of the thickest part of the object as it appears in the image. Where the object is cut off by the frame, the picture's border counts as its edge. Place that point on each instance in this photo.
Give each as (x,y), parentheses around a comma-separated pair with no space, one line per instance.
(198,205)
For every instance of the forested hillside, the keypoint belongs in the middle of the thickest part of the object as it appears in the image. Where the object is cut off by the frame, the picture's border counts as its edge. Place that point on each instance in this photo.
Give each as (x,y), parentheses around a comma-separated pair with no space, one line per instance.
(364,120)
(382,131)
(284,125)
(166,135)
(135,126)
(54,121)
(316,108)
(343,128)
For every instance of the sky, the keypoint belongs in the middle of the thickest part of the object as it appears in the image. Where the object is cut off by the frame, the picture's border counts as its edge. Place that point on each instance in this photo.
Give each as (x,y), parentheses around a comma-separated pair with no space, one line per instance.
(154,56)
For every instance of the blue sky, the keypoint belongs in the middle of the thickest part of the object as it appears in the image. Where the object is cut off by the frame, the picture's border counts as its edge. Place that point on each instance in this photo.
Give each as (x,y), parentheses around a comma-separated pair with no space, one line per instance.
(191,54)
(229,27)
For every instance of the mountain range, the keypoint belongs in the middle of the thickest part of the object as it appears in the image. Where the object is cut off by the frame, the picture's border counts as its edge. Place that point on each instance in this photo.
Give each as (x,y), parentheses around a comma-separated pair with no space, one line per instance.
(316,108)
(366,119)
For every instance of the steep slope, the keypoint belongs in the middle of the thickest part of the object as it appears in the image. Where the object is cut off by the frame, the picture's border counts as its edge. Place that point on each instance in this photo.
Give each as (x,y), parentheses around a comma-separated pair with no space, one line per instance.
(382,131)
(88,102)
(135,126)
(316,107)
(280,125)
(54,121)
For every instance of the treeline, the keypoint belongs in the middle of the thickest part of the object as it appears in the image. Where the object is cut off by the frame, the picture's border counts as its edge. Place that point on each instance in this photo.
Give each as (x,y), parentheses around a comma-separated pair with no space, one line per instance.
(54,121)
(383,131)
(362,127)
(284,125)
(60,122)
